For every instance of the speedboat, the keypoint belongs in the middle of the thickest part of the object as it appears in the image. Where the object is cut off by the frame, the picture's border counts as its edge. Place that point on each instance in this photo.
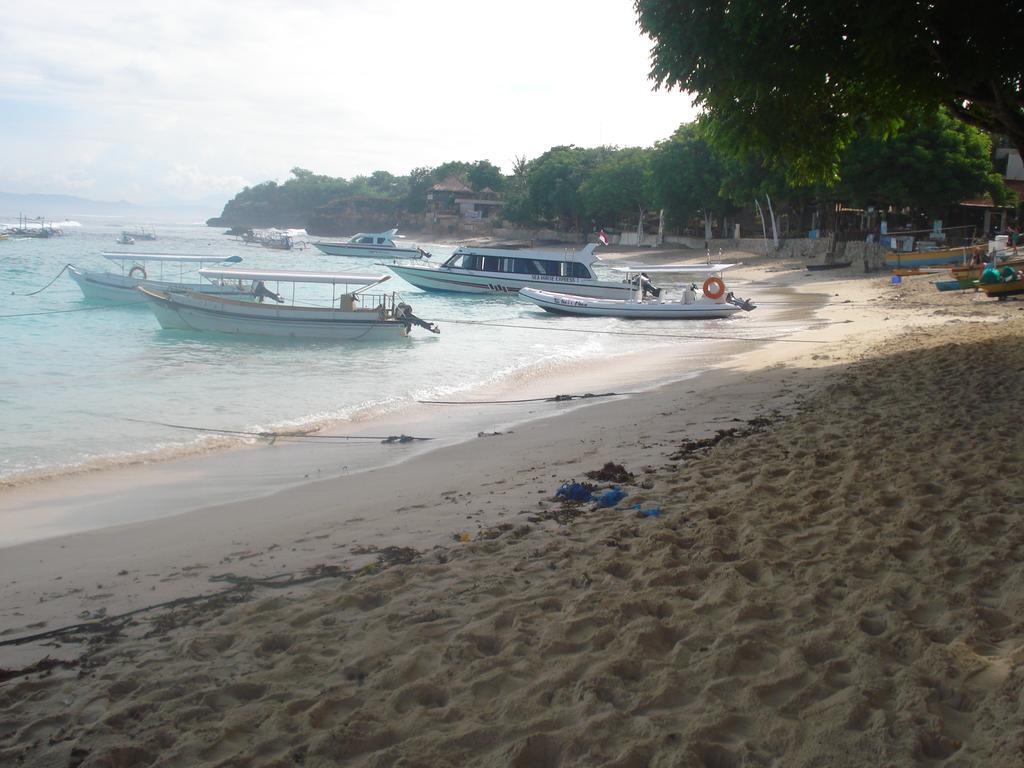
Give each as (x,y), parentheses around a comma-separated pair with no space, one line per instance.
(646,302)
(500,270)
(374,245)
(162,271)
(125,239)
(351,315)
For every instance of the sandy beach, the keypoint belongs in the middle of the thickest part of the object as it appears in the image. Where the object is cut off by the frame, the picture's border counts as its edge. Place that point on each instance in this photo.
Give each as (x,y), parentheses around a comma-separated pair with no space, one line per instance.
(817,562)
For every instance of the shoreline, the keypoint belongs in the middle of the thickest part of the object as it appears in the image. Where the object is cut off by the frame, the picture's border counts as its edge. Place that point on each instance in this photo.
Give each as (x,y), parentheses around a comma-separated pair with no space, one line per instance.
(225,469)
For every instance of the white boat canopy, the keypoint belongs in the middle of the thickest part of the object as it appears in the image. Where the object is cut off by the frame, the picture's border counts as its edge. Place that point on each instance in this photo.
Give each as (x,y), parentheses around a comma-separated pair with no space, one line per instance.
(191,258)
(701,269)
(293,276)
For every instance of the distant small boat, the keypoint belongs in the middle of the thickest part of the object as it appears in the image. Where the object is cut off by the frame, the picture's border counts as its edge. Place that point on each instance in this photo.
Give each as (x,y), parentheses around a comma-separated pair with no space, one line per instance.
(125,239)
(373,245)
(142,233)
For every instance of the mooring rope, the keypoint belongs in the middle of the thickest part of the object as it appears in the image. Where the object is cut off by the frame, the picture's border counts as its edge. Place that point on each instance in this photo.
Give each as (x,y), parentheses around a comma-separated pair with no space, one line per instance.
(62,271)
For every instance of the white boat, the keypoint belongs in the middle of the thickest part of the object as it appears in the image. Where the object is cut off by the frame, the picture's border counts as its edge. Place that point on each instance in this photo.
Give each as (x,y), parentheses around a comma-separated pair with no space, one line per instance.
(141,233)
(499,270)
(125,239)
(161,271)
(645,301)
(375,245)
(352,315)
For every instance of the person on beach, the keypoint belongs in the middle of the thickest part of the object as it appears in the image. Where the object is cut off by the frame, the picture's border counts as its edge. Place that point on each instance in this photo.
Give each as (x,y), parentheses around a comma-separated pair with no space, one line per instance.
(260,291)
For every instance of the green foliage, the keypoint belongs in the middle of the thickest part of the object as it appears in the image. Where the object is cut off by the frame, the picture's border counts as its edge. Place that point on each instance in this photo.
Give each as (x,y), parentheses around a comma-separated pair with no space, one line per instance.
(797,81)
(933,161)
(686,176)
(618,187)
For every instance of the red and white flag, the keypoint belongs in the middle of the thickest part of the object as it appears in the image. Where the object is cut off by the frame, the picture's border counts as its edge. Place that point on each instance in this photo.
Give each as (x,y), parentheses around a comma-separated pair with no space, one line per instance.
(602,237)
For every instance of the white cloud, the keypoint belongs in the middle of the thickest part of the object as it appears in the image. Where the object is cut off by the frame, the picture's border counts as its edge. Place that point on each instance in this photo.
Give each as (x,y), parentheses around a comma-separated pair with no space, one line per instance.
(169,98)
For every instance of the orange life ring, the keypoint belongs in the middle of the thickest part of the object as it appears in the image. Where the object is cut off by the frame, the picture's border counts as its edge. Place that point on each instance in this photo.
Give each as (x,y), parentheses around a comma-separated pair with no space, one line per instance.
(714,288)
(137,268)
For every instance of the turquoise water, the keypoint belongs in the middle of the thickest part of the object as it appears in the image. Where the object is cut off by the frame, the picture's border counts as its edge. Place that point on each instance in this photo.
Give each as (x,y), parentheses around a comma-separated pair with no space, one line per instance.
(82,382)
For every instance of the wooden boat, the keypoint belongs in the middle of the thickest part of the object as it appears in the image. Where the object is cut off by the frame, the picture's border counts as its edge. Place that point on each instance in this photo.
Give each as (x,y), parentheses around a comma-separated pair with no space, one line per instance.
(896,260)
(160,271)
(826,266)
(967,275)
(1002,290)
(950,285)
(351,315)
(376,245)
(646,303)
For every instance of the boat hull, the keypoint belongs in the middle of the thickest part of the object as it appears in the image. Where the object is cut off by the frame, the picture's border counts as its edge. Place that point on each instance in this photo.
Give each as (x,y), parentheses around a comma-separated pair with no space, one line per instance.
(1002,290)
(926,258)
(457,280)
(569,304)
(107,286)
(368,251)
(216,314)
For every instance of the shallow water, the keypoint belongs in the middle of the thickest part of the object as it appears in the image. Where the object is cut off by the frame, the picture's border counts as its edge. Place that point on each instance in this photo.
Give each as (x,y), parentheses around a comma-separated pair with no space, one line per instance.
(83,384)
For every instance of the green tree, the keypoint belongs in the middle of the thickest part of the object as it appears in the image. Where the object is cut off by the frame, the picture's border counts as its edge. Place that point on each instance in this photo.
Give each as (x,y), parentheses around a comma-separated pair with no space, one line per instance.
(798,80)
(483,173)
(554,179)
(934,162)
(686,176)
(618,188)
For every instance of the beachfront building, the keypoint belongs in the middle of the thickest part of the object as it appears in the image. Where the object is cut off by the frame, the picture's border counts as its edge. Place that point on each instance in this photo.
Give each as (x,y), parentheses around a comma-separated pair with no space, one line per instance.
(453,204)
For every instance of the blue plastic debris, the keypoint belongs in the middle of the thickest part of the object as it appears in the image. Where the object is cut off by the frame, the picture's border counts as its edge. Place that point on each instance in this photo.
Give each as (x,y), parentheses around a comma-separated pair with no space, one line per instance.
(574,492)
(652,512)
(611,497)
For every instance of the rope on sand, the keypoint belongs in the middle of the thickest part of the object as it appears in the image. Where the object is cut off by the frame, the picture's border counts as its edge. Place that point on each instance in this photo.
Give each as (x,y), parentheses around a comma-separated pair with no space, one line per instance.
(555,399)
(272,436)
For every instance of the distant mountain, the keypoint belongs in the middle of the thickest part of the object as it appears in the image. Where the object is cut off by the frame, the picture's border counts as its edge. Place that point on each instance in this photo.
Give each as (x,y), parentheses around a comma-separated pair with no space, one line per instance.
(58,207)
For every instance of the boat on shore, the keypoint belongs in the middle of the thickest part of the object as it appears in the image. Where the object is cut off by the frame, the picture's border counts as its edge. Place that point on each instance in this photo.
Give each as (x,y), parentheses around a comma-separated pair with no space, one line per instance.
(499,270)
(170,272)
(374,245)
(352,315)
(645,302)
(914,259)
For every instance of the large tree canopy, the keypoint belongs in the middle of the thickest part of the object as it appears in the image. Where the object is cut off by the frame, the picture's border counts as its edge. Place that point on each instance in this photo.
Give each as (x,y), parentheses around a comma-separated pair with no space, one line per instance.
(796,79)
(934,160)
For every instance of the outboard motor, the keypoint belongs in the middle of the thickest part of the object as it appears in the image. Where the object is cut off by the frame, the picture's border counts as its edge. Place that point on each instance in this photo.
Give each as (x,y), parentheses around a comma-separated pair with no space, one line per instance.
(403,312)
(646,286)
(744,304)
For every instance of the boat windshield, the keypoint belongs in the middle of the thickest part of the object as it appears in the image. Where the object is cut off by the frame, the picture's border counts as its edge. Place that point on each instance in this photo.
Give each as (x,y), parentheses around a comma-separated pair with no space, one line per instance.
(517,265)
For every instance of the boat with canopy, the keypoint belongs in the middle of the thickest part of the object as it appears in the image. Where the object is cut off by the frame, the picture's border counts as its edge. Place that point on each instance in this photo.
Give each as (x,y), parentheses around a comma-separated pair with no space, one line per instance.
(645,301)
(161,271)
(353,314)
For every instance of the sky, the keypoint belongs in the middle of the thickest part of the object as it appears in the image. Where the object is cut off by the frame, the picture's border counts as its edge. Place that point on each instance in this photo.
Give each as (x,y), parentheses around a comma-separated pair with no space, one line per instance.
(190,101)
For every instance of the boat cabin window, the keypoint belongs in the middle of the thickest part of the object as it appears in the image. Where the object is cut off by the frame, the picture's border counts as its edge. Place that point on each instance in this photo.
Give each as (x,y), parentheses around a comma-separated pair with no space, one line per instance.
(365,240)
(518,265)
